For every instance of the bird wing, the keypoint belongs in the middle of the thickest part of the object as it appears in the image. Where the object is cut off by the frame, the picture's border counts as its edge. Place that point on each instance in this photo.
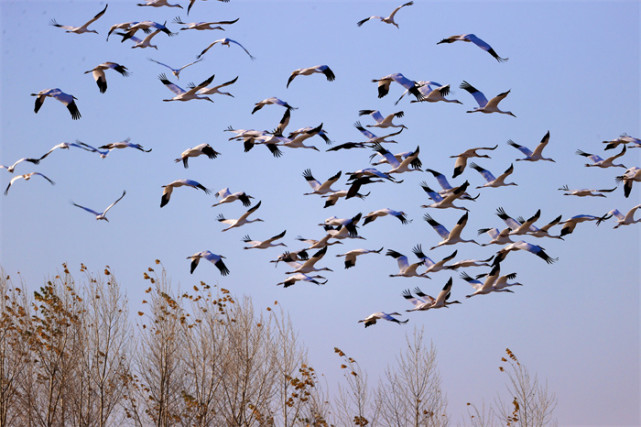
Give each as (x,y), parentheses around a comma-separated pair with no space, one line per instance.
(209,47)
(88,210)
(484,172)
(246,51)
(391,15)
(112,205)
(526,151)
(544,141)
(440,229)
(478,96)
(494,102)
(458,228)
(95,18)
(171,86)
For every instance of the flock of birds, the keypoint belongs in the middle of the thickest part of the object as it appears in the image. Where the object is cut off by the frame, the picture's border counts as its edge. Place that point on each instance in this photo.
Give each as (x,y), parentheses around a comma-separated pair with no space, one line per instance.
(305,264)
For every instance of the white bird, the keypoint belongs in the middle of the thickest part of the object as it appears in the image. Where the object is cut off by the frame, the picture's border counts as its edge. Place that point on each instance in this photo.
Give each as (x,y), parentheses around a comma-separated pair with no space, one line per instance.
(213,25)
(215,89)
(225,42)
(626,219)
(493,181)
(372,318)
(317,186)
(623,139)
(101,215)
(291,280)
(198,150)
(389,19)
(350,257)
(461,159)
(485,106)
(83,28)
(65,98)
(517,227)
(146,27)
(191,3)
(405,269)
(570,224)
(123,144)
(383,122)
(598,161)
(291,256)
(182,94)
(338,224)
(141,43)
(98,73)
(169,188)
(309,265)
(373,139)
(370,217)
(629,176)
(410,85)
(466,263)
(228,197)
(446,187)
(271,101)
(269,243)
(497,237)
(308,132)
(324,69)
(537,154)
(242,220)
(431,92)
(88,147)
(584,192)
(477,41)
(158,3)
(11,168)
(26,177)
(316,244)
(410,163)
(442,299)
(423,302)
(449,237)
(488,285)
(522,245)
(124,26)
(447,200)
(217,260)
(175,71)
(432,266)
(544,231)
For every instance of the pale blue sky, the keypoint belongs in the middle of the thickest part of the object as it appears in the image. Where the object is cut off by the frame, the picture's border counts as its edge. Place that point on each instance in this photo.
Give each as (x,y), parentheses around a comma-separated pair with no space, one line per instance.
(573,70)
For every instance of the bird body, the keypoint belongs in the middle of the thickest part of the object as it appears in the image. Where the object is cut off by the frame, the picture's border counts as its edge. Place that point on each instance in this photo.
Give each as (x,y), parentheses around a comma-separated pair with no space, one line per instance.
(12,167)
(383,122)
(370,217)
(198,150)
(410,85)
(317,186)
(158,3)
(308,265)
(461,159)
(324,69)
(175,71)
(493,181)
(225,42)
(599,162)
(26,177)
(405,269)
(626,219)
(584,192)
(169,188)
(629,176)
(98,73)
(102,215)
(242,220)
(201,26)
(570,224)
(182,94)
(449,237)
(291,280)
(372,318)
(227,196)
(65,98)
(388,19)
(477,41)
(215,259)
(537,154)
(269,243)
(485,106)
(522,245)
(216,89)
(447,200)
(350,257)
(123,144)
(84,27)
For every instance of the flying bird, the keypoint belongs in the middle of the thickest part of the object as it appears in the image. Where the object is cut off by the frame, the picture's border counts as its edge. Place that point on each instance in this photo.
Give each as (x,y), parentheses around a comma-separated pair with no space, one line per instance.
(370,217)
(570,224)
(123,144)
(598,161)
(158,3)
(212,25)
(242,220)
(169,188)
(449,237)
(215,89)
(269,243)
(431,92)
(227,196)
(522,245)
(383,122)
(485,106)
(410,85)
(389,19)
(446,201)
(477,41)
(372,318)
(175,71)
(271,101)
(65,98)
(309,265)
(83,28)
(199,150)
(584,192)
(461,159)
(493,181)
(317,186)
(623,139)
(537,154)
(11,168)
(629,176)
(98,73)
(405,269)
(291,280)
(329,74)
(26,177)
(102,215)
(225,42)
(215,259)
(182,94)
(626,219)
(350,257)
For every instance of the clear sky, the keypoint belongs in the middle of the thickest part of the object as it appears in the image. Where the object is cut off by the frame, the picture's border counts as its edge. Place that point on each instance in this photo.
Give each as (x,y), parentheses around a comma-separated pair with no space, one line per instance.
(573,70)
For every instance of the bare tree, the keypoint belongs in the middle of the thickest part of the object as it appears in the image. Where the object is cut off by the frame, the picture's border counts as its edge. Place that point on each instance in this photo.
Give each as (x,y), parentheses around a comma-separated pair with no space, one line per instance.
(410,394)
(354,405)
(532,404)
